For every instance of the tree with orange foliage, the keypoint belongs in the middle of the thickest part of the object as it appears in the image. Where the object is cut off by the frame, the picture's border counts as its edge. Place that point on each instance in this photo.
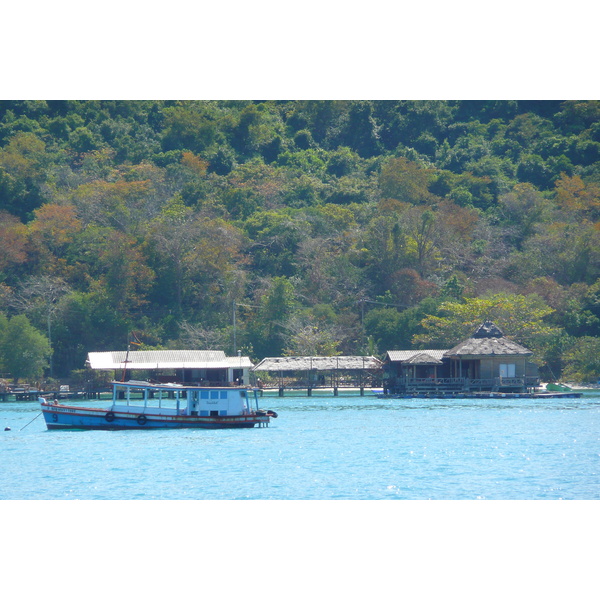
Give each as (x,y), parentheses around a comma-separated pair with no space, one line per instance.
(53,229)
(122,205)
(576,196)
(194,163)
(13,242)
(407,181)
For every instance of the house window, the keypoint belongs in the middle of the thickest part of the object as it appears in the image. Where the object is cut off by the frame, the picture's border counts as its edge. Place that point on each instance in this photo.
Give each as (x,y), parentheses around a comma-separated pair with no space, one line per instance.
(507,370)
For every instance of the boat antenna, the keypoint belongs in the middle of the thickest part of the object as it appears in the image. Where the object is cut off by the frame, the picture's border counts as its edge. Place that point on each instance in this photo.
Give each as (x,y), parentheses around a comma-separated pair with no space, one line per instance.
(129,342)
(125,362)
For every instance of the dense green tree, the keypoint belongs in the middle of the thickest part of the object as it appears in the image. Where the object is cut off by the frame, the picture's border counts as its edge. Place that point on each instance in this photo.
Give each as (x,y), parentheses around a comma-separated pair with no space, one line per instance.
(385,326)
(395,329)
(276,305)
(520,317)
(126,277)
(25,351)
(3,328)
(189,126)
(257,128)
(523,209)
(171,236)
(566,252)
(39,297)
(582,360)
(358,130)
(22,172)
(164,213)
(385,249)
(274,238)
(407,181)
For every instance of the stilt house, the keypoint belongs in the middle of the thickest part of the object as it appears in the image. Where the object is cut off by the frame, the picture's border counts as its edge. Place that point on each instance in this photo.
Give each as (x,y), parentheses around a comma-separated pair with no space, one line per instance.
(486,362)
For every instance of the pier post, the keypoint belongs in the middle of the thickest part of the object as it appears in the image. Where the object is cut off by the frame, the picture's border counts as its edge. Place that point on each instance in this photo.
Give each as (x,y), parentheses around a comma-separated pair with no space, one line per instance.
(362,390)
(281,392)
(335,391)
(309,391)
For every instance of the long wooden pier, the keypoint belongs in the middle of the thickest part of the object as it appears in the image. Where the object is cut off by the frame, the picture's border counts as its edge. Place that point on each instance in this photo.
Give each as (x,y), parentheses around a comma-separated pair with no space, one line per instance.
(335,390)
(29,395)
(21,395)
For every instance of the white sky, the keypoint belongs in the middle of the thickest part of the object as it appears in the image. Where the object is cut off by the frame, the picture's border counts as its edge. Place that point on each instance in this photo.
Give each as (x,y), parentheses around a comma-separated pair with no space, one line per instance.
(274,50)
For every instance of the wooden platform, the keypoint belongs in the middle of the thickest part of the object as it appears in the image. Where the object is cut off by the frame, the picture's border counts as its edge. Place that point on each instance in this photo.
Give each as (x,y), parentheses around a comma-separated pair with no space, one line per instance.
(485,395)
(335,390)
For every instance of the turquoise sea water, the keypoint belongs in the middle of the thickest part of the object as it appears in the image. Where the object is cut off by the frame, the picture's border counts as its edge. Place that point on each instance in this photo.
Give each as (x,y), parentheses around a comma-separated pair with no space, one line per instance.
(320,448)
(307,532)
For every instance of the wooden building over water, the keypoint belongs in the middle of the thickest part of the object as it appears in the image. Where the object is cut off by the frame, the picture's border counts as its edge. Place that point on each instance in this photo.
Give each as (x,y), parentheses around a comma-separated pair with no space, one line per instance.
(486,362)
(317,372)
(201,367)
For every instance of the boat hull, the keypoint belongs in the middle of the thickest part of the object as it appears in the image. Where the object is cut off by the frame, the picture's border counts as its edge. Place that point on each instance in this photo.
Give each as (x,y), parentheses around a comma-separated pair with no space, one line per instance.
(75,417)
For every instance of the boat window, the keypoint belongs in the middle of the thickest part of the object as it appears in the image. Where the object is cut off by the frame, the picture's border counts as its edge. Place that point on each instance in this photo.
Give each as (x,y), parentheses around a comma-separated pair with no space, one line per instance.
(203,394)
(243,394)
(223,395)
(214,395)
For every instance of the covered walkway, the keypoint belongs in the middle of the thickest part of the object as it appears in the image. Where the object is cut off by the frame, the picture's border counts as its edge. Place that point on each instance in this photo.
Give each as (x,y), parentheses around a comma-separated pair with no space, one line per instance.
(318,372)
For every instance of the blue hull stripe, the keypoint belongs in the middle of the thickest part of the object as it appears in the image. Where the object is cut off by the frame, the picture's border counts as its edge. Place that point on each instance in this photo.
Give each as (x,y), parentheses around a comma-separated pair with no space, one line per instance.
(75,420)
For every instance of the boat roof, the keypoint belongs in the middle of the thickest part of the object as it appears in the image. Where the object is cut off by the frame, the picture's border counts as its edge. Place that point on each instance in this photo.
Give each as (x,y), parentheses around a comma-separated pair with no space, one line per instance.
(166,359)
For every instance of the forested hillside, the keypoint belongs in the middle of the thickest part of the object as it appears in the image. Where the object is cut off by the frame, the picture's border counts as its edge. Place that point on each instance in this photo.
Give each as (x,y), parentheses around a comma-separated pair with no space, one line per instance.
(308,227)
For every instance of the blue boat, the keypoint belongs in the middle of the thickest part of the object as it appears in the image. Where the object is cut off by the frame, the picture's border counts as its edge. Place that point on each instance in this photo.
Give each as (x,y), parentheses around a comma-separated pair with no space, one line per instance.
(143,405)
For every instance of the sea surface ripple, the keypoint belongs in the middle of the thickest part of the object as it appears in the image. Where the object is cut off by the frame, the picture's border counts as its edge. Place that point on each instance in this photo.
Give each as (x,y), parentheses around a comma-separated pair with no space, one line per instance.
(320,448)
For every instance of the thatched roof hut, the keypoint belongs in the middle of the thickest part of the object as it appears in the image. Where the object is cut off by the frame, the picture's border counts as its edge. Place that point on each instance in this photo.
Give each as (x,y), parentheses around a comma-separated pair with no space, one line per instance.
(488,340)
(485,361)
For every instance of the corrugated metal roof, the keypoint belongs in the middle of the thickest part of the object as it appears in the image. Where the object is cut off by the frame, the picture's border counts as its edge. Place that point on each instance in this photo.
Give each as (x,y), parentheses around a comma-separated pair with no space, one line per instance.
(167,359)
(404,355)
(423,359)
(317,363)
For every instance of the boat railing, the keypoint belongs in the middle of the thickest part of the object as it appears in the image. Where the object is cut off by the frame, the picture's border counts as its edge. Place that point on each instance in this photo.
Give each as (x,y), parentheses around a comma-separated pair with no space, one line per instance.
(155,409)
(200,383)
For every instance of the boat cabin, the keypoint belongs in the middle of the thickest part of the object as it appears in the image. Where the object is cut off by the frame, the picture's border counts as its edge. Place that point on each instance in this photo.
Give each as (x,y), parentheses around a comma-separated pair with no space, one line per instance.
(177,400)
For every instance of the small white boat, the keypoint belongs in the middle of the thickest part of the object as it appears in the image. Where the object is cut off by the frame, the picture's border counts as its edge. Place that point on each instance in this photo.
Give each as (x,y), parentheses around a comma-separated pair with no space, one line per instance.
(143,405)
